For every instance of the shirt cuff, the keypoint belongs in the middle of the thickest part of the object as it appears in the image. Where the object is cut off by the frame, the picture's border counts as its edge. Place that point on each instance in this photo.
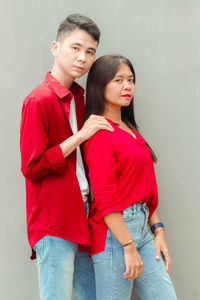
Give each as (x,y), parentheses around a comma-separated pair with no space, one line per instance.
(56,159)
(110,210)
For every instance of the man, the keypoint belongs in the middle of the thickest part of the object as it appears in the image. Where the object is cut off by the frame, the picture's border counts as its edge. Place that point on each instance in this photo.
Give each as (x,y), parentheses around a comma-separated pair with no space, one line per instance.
(51,162)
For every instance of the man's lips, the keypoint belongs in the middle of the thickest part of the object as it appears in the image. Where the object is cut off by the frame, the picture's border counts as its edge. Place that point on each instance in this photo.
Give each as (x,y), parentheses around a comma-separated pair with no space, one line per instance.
(79,68)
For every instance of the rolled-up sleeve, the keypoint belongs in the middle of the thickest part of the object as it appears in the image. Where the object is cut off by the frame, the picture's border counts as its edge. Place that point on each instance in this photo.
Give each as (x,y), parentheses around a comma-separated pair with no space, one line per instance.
(153,201)
(101,161)
(37,159)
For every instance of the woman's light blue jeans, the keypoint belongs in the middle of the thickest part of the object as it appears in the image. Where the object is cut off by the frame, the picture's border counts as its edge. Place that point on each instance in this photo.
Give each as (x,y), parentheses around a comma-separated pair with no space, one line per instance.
(61,267)
(153,284)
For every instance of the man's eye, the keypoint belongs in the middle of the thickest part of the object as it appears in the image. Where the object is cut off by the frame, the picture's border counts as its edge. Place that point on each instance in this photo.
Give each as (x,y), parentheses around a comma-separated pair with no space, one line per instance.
(75,48)
(90,52)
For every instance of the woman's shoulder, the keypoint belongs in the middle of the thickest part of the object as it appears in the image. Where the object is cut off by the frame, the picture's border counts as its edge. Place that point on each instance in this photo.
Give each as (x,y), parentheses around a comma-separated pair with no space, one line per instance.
(100,138)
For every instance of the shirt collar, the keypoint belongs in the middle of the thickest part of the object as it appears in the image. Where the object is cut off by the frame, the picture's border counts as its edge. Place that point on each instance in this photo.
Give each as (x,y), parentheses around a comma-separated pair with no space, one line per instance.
(139,139)
(111,122)
(60,90)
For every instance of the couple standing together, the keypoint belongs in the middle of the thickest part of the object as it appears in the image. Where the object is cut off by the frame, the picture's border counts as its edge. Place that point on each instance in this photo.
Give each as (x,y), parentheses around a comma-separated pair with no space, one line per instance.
(99,247)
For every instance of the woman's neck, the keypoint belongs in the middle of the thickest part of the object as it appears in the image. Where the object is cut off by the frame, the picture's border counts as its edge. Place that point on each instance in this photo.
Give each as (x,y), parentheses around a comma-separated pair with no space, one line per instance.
(114,114)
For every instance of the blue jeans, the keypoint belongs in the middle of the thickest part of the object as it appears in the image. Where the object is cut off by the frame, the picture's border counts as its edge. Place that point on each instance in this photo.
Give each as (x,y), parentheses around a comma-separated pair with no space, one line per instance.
(153,284)
(61,268)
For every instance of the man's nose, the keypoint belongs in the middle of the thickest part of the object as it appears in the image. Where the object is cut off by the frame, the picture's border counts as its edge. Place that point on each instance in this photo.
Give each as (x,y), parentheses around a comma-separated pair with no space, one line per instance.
(82,56)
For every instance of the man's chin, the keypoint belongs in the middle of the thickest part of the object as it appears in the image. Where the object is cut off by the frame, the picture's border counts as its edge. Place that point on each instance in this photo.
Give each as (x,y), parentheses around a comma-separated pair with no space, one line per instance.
(78,74)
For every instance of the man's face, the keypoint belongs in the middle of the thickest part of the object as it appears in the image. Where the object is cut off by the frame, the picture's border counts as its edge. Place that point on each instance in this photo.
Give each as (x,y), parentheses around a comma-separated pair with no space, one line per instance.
(75,54)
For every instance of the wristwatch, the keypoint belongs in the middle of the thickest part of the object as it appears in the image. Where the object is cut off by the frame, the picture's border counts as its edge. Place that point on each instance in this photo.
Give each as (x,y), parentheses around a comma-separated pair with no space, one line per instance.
(156,225)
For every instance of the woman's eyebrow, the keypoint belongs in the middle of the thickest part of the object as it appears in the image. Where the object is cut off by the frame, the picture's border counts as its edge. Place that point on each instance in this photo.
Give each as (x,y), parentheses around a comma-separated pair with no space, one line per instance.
(123,76)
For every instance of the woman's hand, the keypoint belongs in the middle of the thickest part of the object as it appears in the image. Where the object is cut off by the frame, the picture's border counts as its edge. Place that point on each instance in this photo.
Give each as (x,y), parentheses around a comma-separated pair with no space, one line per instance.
(133,262)
(161,248)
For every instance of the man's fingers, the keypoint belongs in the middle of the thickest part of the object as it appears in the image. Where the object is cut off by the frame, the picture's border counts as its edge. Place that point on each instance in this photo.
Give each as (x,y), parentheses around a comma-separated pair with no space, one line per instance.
(104,124)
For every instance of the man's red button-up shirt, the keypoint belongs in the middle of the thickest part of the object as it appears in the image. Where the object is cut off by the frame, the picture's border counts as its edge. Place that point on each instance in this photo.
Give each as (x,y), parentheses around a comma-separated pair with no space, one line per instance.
(54,201)
(121,172)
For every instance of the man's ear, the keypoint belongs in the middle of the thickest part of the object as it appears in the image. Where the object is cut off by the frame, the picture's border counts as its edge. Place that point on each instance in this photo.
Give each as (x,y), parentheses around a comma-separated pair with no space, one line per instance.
(55,47)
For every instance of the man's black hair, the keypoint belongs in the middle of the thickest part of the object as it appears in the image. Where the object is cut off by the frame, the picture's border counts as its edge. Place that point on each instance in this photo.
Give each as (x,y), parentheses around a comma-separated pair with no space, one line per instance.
(77,21)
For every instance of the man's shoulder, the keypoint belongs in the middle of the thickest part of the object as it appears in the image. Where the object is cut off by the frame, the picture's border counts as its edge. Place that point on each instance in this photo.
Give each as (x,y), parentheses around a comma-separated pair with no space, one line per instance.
(41,94)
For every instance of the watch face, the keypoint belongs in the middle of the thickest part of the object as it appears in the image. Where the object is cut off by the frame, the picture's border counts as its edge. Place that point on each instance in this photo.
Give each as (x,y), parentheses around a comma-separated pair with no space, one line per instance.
(156,225)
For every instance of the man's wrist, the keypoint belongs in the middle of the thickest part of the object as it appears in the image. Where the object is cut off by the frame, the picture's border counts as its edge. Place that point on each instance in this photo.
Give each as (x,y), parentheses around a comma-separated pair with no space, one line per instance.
(81,137)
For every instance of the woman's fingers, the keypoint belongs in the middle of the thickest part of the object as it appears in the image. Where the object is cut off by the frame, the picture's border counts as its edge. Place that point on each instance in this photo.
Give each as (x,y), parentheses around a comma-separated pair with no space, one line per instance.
(132,273)
(157,253)
(127,272)
(167,259)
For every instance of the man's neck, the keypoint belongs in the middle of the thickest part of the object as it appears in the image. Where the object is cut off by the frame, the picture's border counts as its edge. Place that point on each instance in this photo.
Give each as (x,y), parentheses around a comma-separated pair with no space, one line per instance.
(62,77)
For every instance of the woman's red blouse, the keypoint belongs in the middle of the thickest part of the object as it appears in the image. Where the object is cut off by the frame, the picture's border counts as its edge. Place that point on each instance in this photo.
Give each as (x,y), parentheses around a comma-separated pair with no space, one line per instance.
(121,173)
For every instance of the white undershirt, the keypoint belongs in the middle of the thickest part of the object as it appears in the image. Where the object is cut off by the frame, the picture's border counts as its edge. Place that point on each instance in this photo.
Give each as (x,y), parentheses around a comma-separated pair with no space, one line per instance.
(80,172)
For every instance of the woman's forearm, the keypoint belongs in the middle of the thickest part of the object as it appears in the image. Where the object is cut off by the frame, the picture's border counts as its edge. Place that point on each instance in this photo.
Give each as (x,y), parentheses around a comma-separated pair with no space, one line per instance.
(154,219)
(116,224)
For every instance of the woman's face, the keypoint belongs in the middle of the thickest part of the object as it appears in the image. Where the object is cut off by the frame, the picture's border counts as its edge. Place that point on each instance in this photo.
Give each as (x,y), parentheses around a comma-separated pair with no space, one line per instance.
(120,90)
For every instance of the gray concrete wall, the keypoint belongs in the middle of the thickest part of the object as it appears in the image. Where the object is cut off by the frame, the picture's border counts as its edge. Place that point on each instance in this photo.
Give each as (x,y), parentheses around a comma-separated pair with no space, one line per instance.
(162,39)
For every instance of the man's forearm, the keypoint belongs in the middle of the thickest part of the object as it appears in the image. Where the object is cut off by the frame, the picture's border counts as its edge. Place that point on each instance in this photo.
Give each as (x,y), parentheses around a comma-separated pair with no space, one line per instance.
(71,143)
(91,126)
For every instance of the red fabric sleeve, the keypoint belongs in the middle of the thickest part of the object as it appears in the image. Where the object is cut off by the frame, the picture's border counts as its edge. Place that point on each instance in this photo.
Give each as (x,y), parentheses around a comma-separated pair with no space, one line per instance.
(100,159)
(153,202)
(37,159)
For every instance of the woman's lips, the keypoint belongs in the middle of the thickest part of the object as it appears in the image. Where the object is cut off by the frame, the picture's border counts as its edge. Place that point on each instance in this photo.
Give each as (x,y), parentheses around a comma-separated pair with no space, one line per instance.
(126,95)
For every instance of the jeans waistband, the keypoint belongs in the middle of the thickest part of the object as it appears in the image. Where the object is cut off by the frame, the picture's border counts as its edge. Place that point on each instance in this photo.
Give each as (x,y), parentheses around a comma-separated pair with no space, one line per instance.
(138,206)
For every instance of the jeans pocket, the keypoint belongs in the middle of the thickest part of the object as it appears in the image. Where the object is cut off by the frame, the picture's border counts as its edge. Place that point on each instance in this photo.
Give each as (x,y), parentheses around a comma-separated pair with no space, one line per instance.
(98,257)
(128,214)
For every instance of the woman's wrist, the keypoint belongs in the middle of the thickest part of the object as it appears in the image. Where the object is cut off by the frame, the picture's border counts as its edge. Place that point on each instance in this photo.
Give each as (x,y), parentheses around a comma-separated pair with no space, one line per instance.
(130,247)
(159,230)
(156,226)
(127,243)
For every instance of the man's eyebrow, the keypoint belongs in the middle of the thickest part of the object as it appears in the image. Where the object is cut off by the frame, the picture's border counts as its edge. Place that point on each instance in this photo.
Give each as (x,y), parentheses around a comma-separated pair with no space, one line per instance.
(80,45)
(93,49)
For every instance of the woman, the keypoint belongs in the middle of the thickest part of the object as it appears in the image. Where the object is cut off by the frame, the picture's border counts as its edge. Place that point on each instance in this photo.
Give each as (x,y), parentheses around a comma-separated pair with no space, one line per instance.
(124,189)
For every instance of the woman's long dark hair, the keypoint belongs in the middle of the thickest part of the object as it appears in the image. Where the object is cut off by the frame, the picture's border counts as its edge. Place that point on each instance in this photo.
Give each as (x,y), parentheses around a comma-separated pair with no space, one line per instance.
(103,71)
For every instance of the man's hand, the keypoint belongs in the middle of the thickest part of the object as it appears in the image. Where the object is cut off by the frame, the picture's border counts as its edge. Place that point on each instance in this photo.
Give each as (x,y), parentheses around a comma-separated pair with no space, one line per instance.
(93,124)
